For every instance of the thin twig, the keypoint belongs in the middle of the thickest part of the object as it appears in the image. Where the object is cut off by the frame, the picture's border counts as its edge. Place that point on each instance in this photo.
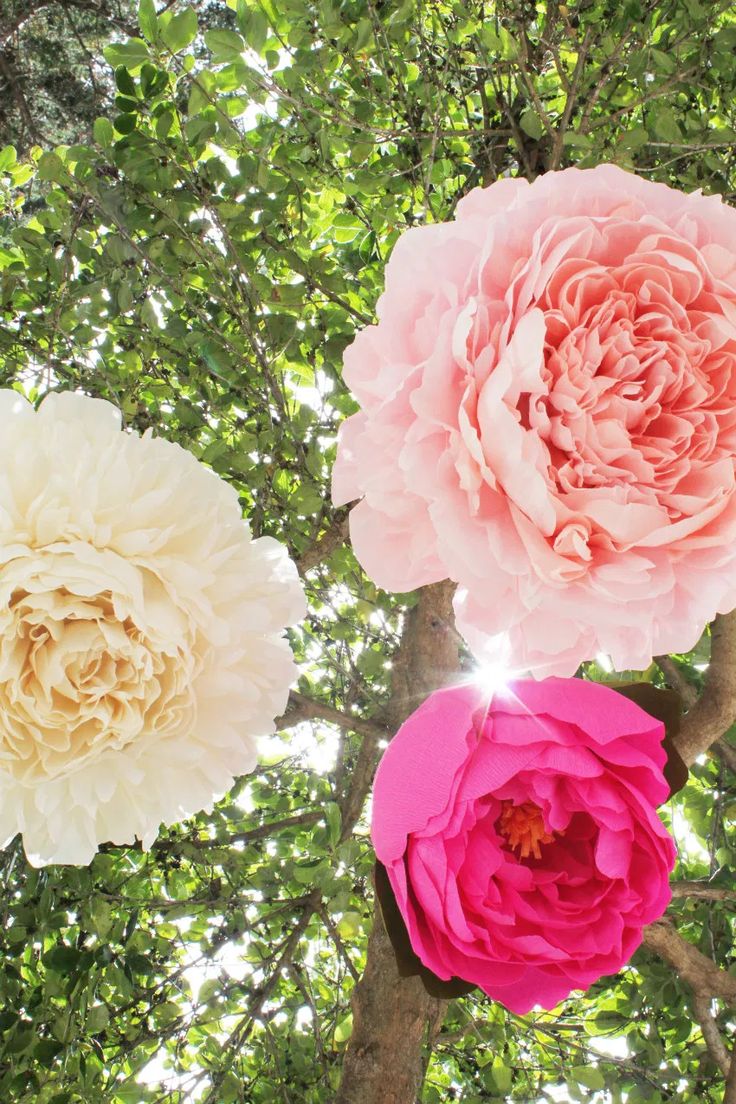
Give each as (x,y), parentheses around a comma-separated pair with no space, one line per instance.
(336,939)
(570,101)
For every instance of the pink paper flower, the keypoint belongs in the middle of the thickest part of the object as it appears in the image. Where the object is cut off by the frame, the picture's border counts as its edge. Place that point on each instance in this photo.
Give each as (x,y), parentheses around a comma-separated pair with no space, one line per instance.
(520,836)
(549,417)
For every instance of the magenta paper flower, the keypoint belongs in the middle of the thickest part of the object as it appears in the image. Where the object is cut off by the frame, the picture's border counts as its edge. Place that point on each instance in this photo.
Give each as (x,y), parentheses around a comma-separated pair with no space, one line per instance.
(549,418)
(520,837)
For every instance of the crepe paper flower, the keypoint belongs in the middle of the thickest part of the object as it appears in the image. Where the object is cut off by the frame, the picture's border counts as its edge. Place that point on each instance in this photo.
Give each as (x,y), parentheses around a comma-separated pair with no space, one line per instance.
(520,837)
(141,645)
(549,418)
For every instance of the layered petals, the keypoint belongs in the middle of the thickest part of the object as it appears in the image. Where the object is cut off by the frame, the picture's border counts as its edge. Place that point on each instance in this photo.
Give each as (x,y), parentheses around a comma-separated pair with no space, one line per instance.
(548,417)
(141,631)
(520,835)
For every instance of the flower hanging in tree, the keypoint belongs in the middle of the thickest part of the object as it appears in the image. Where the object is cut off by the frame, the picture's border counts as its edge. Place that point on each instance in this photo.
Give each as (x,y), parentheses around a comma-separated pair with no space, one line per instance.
(549,417)
(141,644)
(520,835)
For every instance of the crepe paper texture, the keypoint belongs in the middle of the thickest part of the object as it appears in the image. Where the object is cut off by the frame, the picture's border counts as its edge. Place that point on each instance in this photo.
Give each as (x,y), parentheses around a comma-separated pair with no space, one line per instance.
(548,418)
(520,836)
(141,630)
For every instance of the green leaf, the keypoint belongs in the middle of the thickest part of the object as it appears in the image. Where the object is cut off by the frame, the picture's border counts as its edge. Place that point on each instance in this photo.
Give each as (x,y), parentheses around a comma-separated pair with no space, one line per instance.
(224,45)
(209,989)
(577,141)
(20,174)
(344,1028)
(363,34)
(8,158)
(502,1075)
(61,959)
(46,1050)
(664,62)
(531,124)
(167,1012)
(349,925)
(203,87)
(51,167)
(20,1040)
(147,20)
(103,132)
(149,316)
(164,123)
(589,1076)
(131,54)
(179,31)
(98,1018)
(125,124)
(664,124)
(125,82)
(334,821)
(254,27)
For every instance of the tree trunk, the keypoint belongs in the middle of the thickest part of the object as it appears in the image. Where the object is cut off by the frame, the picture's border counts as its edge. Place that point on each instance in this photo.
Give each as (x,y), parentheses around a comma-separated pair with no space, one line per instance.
(394,1018)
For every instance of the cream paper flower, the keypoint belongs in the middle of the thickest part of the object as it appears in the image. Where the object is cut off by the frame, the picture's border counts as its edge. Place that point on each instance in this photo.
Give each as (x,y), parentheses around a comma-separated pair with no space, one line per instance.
(141,645)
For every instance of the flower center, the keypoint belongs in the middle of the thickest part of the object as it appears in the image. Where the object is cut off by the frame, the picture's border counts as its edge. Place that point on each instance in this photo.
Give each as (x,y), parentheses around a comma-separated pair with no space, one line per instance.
(79,676)
(523,827)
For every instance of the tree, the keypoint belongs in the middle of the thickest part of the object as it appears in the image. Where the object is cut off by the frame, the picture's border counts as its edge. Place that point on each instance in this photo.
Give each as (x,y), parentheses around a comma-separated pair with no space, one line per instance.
(51,82)
(202,261)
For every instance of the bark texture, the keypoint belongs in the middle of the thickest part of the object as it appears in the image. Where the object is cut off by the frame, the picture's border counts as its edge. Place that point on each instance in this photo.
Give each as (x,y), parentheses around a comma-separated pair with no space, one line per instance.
(394,1018)
(695,968)
(715,710)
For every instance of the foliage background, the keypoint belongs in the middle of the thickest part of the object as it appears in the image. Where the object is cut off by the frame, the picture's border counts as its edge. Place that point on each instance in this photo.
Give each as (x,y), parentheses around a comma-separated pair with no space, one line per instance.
(195,219)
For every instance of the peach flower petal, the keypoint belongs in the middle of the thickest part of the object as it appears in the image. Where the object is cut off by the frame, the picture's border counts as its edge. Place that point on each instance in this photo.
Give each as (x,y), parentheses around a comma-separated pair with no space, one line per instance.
(549,418)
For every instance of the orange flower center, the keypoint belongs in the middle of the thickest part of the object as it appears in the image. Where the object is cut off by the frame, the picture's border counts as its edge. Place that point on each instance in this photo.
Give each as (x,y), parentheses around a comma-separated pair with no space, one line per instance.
(523,827)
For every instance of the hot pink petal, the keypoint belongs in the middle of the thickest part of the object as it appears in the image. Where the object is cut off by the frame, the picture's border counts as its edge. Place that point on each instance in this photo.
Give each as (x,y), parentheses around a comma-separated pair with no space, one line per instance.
(527,923)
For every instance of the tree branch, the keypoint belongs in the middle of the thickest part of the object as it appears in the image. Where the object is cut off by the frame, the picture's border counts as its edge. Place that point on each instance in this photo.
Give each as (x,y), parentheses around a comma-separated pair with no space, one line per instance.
(570,101)
(715,710)
(701,1006)
(532,89)
(695,968)
(337,940)
(726,753)
(678,680)
(18,94)
(333,538)
(361,780)
(705,980)
(238,1036)
(393,1019)
(729,1097)
(702,890)
(301,708)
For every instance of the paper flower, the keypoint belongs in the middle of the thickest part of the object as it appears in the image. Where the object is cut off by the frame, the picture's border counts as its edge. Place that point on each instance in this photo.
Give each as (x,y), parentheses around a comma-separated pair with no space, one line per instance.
(520,835)
(141,646)
(549,418)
